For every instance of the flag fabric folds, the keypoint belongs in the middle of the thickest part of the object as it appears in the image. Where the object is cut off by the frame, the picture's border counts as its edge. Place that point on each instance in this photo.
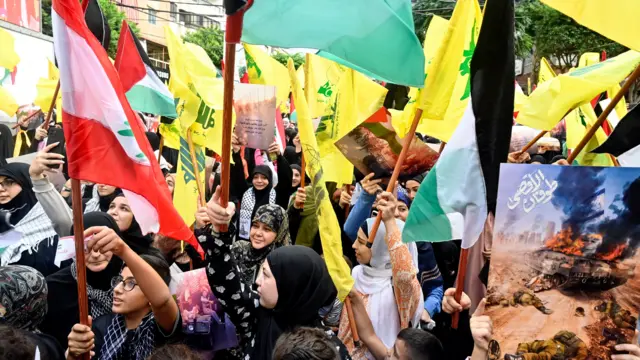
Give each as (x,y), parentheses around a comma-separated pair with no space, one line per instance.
(46,88)
(578,122)
(447,79)
(97,22)
(553,99)
(327,221)
(615,19)
(8,103)
(8,56)
(95,107)
(145,91)
(624,141)
(546,72)
(321,84)
(471,160)
(265,70)
(374,37)
(185,195)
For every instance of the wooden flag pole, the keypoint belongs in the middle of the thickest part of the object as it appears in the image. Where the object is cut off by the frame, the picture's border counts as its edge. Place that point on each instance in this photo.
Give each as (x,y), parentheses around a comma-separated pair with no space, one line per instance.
(160,148)
(28,118)
(616,99)
(533,141)
(442,145)
(462,273)
(53,103)
(396,171)
(232,35)
(196,170)
(78,236)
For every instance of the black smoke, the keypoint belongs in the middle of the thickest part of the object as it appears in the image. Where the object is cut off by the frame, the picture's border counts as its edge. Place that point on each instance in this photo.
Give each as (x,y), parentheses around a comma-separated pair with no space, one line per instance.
(575,196)
(624,226)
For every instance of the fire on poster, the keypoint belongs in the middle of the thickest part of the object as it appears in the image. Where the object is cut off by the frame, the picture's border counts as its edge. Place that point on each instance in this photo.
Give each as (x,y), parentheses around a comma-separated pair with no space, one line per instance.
(564,281)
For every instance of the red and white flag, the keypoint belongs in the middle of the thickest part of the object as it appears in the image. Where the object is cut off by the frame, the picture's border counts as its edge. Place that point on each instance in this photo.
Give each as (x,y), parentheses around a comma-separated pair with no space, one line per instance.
(105,142)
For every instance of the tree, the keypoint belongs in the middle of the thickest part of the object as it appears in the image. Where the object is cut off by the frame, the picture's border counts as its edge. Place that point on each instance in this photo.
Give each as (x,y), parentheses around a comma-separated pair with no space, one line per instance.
(298,59)
(111,12)
(211,39)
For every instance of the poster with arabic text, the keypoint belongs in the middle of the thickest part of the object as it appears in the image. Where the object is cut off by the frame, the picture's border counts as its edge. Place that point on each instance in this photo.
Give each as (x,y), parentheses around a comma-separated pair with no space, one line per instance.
(564,281)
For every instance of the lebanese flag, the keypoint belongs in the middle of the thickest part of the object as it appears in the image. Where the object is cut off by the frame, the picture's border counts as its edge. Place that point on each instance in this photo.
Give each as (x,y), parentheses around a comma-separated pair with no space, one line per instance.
(280,138)
(145,91)
(105,142)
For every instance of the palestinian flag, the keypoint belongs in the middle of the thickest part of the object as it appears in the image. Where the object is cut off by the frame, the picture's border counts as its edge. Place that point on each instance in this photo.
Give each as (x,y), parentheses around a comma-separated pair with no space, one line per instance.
(459,192)
(105,141)
(97,22)
(624,141)
(145,91)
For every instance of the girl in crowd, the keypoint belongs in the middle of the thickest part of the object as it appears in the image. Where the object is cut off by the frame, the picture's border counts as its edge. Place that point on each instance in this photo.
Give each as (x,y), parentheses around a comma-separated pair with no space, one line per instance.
(101,198)
(101,268)
(145,315)
(38,240)
(386,278)
(23,298)
(262,189)
(296,171)
(292,286)
(269,231)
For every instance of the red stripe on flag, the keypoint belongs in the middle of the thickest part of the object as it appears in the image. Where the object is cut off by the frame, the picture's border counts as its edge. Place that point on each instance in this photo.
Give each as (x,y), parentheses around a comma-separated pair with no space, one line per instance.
(379,116)
(128,62)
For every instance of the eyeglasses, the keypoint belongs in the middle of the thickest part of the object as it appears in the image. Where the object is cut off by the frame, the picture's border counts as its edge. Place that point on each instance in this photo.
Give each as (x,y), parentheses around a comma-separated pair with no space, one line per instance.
(128,283)
(7,183)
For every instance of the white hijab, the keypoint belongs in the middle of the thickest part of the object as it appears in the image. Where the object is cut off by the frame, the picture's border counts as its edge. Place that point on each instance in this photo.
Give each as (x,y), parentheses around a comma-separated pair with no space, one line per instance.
(375,280)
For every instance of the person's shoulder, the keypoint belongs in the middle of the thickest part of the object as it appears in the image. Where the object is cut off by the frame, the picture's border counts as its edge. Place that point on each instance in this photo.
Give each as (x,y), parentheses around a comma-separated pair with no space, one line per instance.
(49,347)
(101,323)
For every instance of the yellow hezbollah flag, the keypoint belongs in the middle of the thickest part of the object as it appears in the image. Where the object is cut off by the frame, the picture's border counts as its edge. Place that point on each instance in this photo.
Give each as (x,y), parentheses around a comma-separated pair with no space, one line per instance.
(185,195)
(621,107)
(328,223)
(46,87)
(546,72)
(321,82)
(300,75)
(265,70)
(551,100)
(588,59)
(452,62)
(447,86)
(578,123)
(358,97)
(8,56)
(401,120)
(7,102)
(615,19)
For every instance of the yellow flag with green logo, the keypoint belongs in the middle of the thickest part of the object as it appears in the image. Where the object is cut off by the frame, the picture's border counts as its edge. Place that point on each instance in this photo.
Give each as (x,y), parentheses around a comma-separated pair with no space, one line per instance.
(447,86)
(265,70)
(321,83)
(588,59)
(401,120)
(546,72)
(8,103)
(621,107)
(185,194)
(615,19)
(8,56)
(357,98)
(329,228)
(46,87)
(578,123)
(552,100)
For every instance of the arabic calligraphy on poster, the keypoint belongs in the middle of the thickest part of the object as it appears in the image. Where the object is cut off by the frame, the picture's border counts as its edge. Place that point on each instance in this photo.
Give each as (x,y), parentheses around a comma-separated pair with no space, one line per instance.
(534,190)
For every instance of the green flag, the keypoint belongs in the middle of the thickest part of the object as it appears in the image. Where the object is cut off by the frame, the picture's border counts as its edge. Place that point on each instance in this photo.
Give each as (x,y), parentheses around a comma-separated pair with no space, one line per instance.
(375,37)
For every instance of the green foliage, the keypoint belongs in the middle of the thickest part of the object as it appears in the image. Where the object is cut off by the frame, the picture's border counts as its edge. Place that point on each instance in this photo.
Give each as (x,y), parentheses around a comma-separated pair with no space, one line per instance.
(111,12)
(423,11)
(298,59)
(211,39)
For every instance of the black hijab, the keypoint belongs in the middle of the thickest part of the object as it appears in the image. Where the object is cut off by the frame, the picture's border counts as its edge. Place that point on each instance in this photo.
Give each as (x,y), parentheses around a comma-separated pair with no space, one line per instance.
(304,286)
(63,287)
(299,169)
(6,144)
(154,140)
(262,196)
(20,205)
(105,201)
(133,235)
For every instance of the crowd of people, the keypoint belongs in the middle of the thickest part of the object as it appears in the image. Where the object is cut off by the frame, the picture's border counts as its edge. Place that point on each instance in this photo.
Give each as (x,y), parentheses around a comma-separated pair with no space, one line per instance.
(263,261)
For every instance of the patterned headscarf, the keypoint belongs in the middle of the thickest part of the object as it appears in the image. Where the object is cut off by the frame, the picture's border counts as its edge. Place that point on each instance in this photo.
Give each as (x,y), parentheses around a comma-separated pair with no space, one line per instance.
(248,258)
(23,297)
(136,344)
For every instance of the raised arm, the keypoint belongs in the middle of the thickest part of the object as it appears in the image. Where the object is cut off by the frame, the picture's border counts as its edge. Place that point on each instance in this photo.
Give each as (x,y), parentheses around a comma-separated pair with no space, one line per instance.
(165,310)
(362,209)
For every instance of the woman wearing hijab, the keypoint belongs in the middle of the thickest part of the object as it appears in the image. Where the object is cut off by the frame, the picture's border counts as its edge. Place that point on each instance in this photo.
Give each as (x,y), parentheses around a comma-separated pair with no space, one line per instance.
(101,198)
(23,302)
(63,285)
(131,232)
(6,144)
(144,315)
(296,171)
(269,231)
(386,279)
(262,189)
(293,284)
(38,241)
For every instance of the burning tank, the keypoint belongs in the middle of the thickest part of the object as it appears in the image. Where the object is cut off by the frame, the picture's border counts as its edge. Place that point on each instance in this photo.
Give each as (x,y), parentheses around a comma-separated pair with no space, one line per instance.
(568,262)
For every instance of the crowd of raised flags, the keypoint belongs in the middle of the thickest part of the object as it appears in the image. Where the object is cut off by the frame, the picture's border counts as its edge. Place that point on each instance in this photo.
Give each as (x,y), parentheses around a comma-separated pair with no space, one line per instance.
(461,90)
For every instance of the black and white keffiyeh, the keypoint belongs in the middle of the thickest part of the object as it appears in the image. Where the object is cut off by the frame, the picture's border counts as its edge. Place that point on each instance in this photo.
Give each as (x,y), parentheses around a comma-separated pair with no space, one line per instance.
(120,343)
(35,228)
(246,210)
(101,300)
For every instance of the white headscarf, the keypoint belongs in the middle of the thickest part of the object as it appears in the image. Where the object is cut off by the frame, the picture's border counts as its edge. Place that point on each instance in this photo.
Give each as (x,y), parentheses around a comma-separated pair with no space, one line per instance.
(375,280)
